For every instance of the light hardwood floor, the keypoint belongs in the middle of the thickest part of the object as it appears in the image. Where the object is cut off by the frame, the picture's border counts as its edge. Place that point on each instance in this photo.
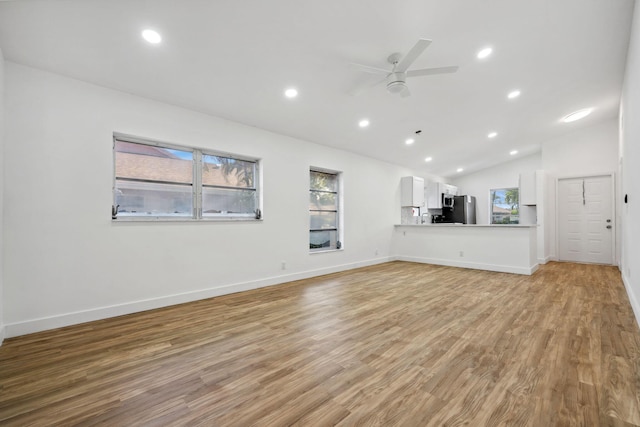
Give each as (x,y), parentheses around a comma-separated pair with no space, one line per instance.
(393,344)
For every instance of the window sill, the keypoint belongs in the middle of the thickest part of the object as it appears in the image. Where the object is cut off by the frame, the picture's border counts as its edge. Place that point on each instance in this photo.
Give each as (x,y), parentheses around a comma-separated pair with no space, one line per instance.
(324,251)
(180,219)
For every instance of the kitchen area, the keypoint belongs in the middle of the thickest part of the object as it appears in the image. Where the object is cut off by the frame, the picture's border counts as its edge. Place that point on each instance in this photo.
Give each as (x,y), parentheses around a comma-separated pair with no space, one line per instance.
(439,226)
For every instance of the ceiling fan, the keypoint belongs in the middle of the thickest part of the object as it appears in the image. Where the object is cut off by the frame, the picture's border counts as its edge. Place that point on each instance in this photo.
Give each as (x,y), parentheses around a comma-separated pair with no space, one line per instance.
(396,78)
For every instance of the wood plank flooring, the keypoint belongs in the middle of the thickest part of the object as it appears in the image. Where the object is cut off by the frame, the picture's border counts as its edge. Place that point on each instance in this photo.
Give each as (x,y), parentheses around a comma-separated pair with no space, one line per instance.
(393,344)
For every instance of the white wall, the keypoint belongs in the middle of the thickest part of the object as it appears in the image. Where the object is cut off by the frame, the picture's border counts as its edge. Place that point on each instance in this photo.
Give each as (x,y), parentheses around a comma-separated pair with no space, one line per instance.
(588,151)
(67,262)
(630,169)
(1,195)
(505,175)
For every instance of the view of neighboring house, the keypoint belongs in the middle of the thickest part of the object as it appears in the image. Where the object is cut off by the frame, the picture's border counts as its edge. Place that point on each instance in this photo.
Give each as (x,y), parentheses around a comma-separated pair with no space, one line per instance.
(501,215)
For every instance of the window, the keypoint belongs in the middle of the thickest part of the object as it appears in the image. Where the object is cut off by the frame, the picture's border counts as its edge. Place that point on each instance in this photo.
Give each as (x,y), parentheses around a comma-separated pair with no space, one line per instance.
(228,186)
(161,181)
(324,211)
(505,206)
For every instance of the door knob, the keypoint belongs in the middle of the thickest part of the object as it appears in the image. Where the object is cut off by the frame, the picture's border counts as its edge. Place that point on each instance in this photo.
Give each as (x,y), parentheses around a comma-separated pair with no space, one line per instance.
(609,227)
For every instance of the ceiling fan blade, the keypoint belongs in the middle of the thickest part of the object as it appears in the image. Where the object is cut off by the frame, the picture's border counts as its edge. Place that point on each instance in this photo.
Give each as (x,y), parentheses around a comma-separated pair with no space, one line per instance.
(365,84)
(371,70)
(412,55)
(432,71)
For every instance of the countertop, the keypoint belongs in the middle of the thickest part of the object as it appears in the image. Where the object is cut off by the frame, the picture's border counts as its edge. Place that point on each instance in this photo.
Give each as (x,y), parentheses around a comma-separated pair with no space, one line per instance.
(458,225)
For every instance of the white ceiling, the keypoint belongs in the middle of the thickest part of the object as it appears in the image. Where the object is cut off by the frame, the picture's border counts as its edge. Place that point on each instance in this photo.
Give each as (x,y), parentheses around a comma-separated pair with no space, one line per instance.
(234,59)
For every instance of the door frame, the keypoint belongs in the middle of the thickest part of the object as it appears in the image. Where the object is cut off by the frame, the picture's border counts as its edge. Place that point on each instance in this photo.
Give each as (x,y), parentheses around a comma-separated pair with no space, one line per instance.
(614,221)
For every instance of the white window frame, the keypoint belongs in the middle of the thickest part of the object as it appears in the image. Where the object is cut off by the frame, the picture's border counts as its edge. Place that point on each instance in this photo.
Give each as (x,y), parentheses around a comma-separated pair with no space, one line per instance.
(339,210)
(196,185)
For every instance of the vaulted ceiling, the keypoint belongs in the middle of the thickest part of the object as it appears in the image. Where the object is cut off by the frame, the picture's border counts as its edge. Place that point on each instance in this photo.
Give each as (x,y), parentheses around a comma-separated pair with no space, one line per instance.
(234,59)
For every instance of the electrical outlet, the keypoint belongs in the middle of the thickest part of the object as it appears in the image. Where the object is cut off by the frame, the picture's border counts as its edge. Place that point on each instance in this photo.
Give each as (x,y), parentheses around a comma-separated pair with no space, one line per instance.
(284,265)
(461,253)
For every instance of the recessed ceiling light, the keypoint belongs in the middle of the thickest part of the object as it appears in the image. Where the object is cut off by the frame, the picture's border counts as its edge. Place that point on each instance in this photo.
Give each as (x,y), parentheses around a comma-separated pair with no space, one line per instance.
(513,152)
(577,115)
(151,36)
(363,123)
(459,170)
(410,141)
(492,135)
(291,92)
(513,94)
(428,159)
(484,52)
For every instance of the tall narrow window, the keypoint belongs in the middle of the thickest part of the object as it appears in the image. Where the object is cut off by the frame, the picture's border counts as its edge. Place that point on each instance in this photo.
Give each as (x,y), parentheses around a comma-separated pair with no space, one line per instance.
(324,220)
(162,181)
(505,206)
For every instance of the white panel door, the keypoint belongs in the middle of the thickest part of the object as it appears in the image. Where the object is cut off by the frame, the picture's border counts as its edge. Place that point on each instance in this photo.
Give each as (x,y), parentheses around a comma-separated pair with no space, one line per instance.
(585,220)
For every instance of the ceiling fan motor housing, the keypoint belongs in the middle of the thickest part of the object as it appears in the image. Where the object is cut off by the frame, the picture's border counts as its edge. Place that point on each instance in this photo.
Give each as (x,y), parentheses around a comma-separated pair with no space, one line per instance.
(396,82)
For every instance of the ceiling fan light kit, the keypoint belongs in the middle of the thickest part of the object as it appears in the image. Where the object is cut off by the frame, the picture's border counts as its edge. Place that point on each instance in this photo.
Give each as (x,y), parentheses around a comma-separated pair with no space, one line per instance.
(396,83)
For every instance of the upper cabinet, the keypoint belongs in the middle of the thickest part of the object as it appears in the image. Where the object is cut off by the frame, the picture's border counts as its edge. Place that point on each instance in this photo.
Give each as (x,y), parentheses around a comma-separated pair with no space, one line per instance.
(434,193)
(528,188)
(412,191)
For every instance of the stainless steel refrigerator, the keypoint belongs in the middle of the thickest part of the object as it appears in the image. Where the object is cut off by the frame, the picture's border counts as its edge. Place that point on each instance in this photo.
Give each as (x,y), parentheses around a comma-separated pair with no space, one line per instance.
(463,210)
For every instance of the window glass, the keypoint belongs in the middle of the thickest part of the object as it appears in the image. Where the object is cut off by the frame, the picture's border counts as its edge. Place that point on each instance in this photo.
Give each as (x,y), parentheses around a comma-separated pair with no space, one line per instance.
(227,172)
(324,212)
(505,206)
(320,201)
(324,181)
(154,199)
(152,180)
(323,239)
(151,163)
(224,201)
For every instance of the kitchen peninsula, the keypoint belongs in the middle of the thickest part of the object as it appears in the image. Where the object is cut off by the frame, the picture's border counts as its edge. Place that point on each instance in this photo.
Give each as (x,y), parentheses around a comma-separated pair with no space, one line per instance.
(502,248)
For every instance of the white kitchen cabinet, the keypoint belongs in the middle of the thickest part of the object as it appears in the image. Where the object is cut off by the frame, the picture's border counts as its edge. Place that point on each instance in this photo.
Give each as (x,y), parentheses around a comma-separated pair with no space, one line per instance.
(528,188)
(412,191)
(434,193)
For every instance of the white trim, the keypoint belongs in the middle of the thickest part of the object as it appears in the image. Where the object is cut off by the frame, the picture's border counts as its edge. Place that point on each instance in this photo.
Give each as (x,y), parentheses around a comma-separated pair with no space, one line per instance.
(326,251)
(2,333)
(613,212)
(151,218)
(544,260)
(474,265)
(450,224)
(632,298)
(67,319)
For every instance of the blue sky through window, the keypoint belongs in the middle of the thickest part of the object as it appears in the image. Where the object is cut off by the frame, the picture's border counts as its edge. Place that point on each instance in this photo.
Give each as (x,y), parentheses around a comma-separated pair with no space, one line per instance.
(184,155)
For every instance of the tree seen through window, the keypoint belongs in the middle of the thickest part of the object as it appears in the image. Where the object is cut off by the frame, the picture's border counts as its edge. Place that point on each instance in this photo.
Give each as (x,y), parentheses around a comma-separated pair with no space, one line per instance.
(505,206)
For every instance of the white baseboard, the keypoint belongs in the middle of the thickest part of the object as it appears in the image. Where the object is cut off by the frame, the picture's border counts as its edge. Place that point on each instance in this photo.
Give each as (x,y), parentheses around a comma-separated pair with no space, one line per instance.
(544,260)
(632,298)
(478,266)
(1,334)
(67,319)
